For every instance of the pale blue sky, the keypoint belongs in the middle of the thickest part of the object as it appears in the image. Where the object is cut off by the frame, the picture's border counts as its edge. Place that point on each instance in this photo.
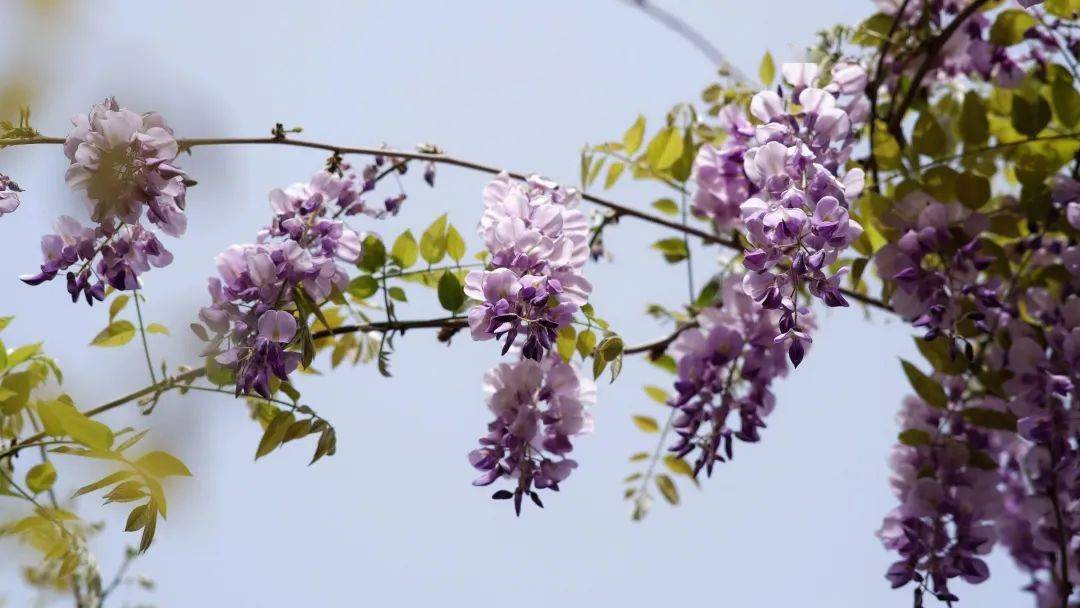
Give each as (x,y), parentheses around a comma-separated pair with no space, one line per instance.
(392,519)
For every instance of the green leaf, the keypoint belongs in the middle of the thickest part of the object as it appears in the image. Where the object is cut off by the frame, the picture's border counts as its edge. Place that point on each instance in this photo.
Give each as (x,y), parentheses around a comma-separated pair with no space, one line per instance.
(157,328)
(405,249)
(274,433)
(767,69)
(974,127)
(397,293)
(673,249)
(666,206)
(938,354)
(127,491)
(50,418)
(433,241)
(1030,116)
(118,333)
(678,466)
(634,135)
(665,148)
(137,519)
(106,481)
(1009,27)
(926,387)
(586,342)
(566,342)
(929,138)
(972,190)
(639,456)
(667,488)
(374,256)
(362,287)
(615,169)
(23,353)
(455,245)
(5,321)
(1066,101)
(657,394)
(41,477)
(451,295)
(990,419)
(914,437)
(118,304)
(647,424)
(162,464)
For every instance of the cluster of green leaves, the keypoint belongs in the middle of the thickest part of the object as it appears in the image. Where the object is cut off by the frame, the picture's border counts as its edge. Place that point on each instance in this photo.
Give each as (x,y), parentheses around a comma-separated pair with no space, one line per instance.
(53,426)
(293,421)
(605,350)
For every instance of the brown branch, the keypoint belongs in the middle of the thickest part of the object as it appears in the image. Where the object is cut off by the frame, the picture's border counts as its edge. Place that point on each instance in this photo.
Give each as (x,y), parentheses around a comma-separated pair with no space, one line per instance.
(619,209)
(935,45)
(181,380)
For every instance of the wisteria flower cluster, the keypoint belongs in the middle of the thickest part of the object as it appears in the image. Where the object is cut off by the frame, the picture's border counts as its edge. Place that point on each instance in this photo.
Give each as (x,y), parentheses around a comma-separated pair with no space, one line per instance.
(124,164)
(726,366)
(534,284)
(722,183)
(255,295)
(538,406)
(1021,489)
(798,223)
(948,498)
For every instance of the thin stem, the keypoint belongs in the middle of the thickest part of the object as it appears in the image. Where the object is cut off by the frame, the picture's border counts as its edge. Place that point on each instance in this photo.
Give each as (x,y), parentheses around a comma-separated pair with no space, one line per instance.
(142,335)
(688,33)
(689,256)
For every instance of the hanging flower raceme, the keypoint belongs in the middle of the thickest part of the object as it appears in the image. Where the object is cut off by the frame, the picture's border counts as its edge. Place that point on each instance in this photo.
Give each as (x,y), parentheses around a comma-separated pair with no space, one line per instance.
(533,285)
(123,163)
(538,406)
(726,366)
(945,480)
(262,285)
(9,195)
(798,223)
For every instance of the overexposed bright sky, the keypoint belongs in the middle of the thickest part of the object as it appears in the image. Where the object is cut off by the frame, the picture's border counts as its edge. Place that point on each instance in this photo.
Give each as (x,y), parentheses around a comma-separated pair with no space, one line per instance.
(392,519)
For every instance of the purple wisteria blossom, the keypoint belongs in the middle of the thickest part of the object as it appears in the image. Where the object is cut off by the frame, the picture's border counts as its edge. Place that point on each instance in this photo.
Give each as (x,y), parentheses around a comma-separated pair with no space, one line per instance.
(533,285)
(722,184)
(9,195)
(965,478)
(936,264)
(124,164)
(798,222)
(948,498)
(538,406)
(726,366)
(252,316)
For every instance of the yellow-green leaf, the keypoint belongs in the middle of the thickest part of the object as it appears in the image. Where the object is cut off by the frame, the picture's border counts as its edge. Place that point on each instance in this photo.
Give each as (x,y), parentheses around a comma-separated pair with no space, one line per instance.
(634,135)
(647,424)
(767,69)
(405,249)
(118,333)
(162,464)
(157,328)
(41,477)
(667,488)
